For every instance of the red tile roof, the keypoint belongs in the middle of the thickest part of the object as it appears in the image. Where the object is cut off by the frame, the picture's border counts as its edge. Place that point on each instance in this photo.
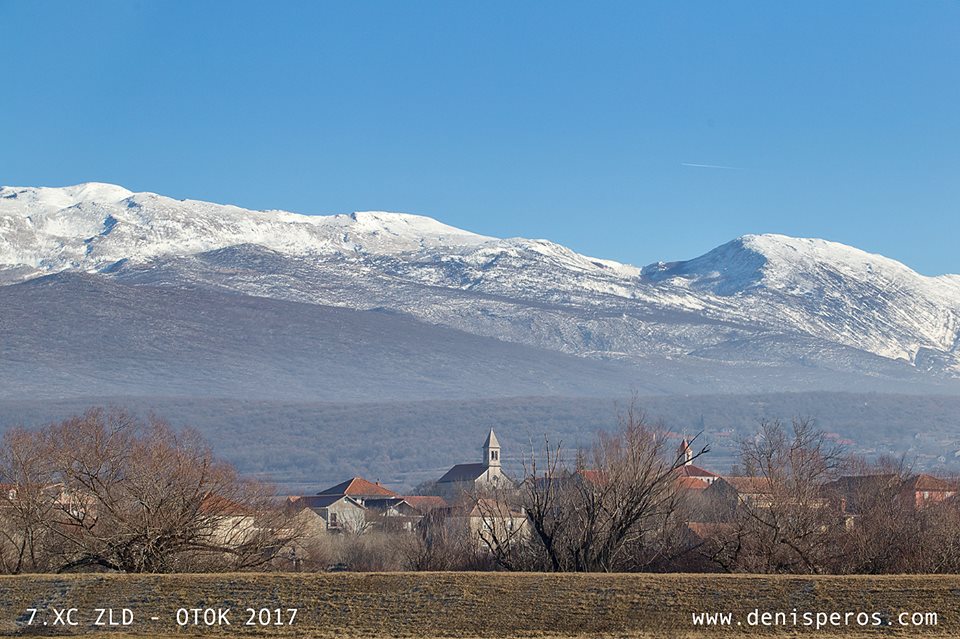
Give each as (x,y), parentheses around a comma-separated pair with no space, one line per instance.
(592,476)
(219,505)
(425,503)
(749,485)
(689,470)
(359,487)
(929,483)
(692,483)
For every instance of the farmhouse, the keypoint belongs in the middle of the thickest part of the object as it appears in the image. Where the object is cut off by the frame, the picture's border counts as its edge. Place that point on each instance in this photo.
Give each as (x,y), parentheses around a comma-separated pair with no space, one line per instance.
(357,504)
(854,493)
(725,496)
(340,513)
(230,523)
(425,503)
(925,490)
(360,490)
(489,522)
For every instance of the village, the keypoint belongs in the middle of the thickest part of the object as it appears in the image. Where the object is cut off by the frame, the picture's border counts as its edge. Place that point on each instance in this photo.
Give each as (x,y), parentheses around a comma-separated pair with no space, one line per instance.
(486,507)
(102,492)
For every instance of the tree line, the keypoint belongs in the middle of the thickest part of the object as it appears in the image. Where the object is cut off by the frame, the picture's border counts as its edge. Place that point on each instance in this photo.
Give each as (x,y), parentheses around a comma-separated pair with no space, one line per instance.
(109,491)
(797,502)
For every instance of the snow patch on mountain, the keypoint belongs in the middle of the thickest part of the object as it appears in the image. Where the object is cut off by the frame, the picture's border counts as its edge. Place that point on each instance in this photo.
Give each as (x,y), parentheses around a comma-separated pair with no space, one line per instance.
(756,298)
(91,226)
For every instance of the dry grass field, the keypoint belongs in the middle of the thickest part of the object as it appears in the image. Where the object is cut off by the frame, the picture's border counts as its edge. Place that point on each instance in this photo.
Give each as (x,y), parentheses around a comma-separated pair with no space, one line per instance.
(470,604)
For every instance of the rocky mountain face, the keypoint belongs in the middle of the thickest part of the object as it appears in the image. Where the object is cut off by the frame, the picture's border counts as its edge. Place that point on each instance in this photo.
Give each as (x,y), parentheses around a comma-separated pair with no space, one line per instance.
(399,302)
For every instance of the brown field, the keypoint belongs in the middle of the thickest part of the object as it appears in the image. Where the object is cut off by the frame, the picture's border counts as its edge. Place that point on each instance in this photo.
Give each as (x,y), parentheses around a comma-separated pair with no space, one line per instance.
(475,604)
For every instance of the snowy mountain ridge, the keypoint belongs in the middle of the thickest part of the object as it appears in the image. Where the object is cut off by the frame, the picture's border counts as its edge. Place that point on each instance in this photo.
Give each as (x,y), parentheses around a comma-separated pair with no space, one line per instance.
(91,225)
(767,300)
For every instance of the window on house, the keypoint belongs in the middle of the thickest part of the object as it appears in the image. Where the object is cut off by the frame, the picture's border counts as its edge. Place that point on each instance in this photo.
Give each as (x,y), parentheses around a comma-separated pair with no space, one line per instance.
(333,520)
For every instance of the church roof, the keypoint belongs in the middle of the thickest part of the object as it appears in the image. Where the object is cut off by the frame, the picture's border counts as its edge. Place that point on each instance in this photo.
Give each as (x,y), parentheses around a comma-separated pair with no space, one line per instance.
(464,472)
(689,470)
(358,487)
(491,441)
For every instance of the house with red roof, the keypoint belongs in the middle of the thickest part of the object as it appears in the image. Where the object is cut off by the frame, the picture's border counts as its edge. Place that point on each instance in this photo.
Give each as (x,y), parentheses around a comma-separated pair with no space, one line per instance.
(357,504)
(925,490)
(360,490)
(852,493)
(726,495)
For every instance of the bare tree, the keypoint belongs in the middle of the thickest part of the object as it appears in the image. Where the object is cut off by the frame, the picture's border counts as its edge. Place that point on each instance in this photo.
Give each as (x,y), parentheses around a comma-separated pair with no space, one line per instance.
(543,495)
(880,531)
(438,544)
(615,508)
(789,524)
(502,528)
(27,503)
(123,495)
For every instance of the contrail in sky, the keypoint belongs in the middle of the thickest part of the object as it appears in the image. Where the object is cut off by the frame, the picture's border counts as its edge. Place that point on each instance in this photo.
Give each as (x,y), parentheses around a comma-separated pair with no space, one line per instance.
(713,166)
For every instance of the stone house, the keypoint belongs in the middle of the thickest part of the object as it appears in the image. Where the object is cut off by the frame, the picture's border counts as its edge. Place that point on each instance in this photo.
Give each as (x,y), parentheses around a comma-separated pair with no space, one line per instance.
(340,513)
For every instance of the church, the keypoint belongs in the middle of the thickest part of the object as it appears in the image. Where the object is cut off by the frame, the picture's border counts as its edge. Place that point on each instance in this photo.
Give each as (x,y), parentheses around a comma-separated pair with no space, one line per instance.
(469,479)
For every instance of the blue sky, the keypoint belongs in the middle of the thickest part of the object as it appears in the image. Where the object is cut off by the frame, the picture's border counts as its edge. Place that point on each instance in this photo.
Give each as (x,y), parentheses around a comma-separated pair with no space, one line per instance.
(576,122)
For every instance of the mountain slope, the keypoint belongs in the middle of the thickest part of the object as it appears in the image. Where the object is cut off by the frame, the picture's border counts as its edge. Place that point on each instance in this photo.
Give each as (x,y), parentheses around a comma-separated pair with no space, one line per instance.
(72,335)
(807,309)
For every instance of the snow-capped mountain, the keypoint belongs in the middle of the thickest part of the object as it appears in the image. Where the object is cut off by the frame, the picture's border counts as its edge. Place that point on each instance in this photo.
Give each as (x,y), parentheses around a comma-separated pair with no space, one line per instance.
(91,226)
(758,302)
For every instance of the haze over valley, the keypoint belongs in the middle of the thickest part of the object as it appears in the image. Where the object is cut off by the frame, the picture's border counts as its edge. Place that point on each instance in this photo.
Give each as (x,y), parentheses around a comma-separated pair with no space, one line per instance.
(135,298)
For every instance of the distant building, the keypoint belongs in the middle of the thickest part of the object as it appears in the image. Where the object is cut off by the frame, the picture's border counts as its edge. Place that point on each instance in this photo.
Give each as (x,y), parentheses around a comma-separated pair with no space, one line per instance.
(468,479)
(727,494)
(360,490)
(855,493)
(231,523)
(356,505)
(340,513)
(691,484)
(926,490)
(425,503)
(695,472)
(344,507)
(688,471)
(489,522)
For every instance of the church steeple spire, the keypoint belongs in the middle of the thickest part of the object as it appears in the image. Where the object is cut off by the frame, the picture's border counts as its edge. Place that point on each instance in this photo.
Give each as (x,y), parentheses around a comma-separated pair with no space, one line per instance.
(491,450)
(685,452)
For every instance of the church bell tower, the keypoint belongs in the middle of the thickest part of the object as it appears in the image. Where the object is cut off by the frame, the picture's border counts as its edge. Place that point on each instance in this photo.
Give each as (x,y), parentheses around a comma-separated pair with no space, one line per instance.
(491,450)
